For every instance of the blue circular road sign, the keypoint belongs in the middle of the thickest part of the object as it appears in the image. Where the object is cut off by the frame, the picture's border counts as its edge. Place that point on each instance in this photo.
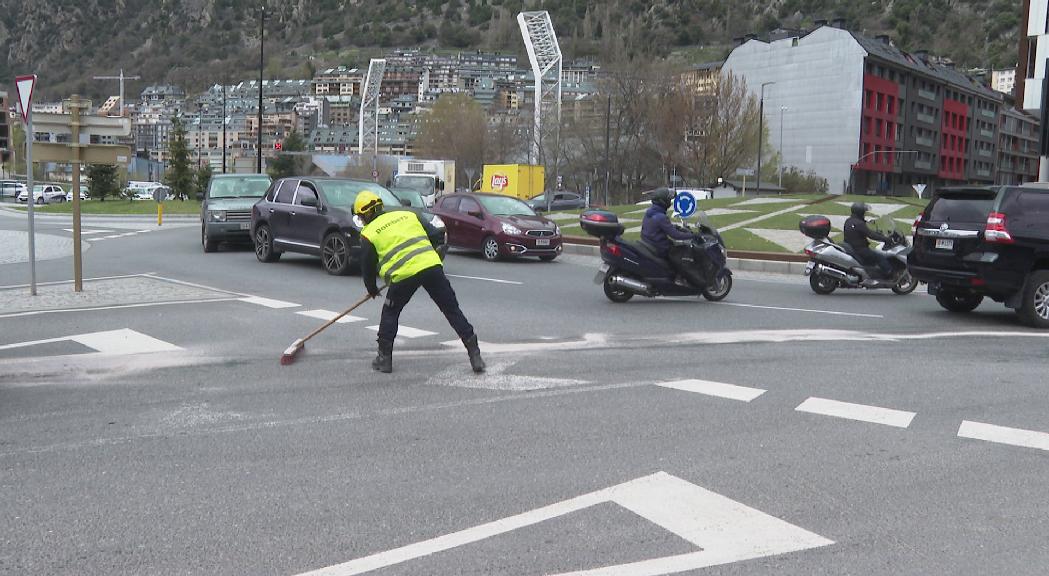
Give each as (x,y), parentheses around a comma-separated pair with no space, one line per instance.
(684,204)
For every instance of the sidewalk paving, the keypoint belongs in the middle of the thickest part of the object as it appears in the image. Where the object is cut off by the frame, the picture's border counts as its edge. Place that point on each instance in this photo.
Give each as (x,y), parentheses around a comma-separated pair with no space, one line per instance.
(103,292)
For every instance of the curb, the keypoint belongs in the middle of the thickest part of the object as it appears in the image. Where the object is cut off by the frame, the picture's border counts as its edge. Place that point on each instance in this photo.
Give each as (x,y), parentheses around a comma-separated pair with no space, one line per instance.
(794,266)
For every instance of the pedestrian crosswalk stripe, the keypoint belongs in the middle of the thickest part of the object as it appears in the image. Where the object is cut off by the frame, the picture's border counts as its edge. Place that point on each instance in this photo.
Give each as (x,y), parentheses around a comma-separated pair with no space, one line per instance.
(408,332)
(328,315)
(1003,435)
(861,412)
(112,342)
(718,389)
(268,302)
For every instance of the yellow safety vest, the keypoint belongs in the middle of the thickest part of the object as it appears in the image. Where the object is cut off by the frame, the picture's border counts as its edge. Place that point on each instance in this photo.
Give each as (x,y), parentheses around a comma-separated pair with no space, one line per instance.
(402,245)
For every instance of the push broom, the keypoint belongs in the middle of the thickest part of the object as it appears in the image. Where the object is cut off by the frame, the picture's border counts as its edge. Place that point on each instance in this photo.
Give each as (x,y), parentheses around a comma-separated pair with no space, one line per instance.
(292,351)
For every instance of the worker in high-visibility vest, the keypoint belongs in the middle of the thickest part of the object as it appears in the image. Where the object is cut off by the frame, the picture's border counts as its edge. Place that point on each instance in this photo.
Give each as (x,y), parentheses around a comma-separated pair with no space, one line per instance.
(396,246)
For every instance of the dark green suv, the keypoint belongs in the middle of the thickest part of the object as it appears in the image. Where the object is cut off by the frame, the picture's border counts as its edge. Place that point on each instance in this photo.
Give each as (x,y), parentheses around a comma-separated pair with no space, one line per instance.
(225,210)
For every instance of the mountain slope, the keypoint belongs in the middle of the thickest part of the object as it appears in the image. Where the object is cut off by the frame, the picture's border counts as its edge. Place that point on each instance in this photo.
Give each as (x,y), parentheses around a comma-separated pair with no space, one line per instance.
(198,42)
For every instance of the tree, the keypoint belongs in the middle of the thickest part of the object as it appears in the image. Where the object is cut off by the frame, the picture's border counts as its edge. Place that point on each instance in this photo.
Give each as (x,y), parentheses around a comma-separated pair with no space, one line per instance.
(103,181)
(454,130)
(726,130)
(179,177)
(203,177)
(285,165)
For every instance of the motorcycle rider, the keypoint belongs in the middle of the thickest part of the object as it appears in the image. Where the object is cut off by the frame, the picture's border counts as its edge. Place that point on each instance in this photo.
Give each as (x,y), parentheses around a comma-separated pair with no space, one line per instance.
(856,234)
(658,231)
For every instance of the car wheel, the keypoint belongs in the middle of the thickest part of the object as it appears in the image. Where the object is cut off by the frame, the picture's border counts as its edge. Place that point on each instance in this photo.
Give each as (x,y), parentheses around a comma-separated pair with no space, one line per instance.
(960,302)
(548,257)
(264,250)
(1035,309)
(822,284)
(39,201)
(905,285)
(335,254)
(209,244)
(615,293)
(490,249)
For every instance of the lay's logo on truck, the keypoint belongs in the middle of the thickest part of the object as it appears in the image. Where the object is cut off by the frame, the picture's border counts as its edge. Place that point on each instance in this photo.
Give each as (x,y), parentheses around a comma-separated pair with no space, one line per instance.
(500,181)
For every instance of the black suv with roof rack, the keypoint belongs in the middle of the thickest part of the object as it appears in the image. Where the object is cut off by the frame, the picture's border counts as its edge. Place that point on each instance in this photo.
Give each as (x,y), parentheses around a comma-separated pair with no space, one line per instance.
(993,242)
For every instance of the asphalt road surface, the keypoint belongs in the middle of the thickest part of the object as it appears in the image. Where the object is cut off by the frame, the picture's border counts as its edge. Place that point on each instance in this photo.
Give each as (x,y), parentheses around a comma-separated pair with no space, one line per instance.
(149,428)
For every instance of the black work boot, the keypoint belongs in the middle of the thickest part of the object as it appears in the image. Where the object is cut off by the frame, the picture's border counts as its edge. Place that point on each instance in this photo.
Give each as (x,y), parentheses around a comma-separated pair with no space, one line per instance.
(384,359)
(476,362)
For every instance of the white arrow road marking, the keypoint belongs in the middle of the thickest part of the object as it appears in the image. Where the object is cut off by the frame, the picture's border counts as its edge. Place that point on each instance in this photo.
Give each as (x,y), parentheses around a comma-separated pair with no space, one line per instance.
(1003,435)
(328,315)
(496,378)
(113,342)
(725,530)
(269,303)
(861,412)
(408,332)
(730,391)
(588,341)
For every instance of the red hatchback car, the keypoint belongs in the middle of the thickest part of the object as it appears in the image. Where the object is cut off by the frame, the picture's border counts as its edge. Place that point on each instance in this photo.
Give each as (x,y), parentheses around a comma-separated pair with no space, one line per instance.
(497,226)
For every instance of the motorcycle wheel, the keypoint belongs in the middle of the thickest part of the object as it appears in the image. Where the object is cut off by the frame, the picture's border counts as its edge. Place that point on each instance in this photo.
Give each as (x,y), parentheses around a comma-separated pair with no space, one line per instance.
(822,284)
(905,285)
(722,286)
(615,293)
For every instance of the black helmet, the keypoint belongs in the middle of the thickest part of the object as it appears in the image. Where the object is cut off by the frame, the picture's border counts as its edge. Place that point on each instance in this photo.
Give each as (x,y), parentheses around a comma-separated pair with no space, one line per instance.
(859,209)
(663,197)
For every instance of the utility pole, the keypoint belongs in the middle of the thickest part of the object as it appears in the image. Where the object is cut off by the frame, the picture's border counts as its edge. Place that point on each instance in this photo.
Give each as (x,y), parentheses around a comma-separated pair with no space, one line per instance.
(262,53)
(200,130)
(224,127)
(121,78)
(761,132)
(608,138)
(782,109)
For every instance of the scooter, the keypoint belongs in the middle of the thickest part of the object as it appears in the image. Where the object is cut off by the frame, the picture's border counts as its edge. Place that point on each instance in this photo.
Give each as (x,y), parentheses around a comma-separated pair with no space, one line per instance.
(635,269)
(832,266)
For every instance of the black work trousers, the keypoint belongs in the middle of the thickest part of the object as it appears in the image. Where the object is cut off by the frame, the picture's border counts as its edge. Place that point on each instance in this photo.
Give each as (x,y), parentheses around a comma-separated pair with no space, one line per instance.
(869,257)
(440,290)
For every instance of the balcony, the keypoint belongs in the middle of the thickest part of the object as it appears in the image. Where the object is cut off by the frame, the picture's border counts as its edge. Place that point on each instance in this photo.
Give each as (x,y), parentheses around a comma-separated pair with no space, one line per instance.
(926,118)
(984,152)
(983,172)
(922,141)
(986,133)
(923,165)
(987,113)
(927,94)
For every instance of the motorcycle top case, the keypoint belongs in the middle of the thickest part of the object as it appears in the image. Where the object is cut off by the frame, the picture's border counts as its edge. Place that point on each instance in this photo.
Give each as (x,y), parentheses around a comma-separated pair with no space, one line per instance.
(601,223)
(815,227)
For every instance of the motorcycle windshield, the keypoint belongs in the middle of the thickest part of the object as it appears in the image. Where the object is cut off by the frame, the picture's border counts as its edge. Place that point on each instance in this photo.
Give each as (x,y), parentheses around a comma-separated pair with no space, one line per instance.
(884,224)
(702,219)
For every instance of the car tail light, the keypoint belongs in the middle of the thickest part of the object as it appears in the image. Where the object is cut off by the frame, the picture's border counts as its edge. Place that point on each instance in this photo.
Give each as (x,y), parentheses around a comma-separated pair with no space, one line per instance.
(809,252)
(917,221)
(977,282)
(996,230)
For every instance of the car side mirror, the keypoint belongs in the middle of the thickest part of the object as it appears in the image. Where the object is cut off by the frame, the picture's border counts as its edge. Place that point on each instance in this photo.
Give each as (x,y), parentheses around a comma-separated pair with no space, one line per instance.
(476,214)
(440,185)
(310,202)
(406,202)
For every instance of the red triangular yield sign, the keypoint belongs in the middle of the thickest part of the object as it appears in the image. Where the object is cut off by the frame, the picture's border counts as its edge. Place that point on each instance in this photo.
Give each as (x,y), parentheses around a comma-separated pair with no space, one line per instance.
(25,86)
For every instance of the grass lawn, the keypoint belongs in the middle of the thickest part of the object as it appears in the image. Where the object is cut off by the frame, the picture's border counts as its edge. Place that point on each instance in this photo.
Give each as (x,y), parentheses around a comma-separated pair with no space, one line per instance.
(120,207)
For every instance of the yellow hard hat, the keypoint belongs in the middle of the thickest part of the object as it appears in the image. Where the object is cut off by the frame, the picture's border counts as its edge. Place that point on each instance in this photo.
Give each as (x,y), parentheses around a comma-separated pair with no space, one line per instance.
(366,203)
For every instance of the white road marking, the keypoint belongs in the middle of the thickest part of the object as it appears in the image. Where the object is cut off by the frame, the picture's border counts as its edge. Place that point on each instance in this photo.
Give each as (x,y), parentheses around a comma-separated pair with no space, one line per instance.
(110,343)
(496,378)
(496,280)
(761,218)
(724,530)
(194,285)
(328,315)
(808,310)
(588,341)
(1003,435)
(87,232)
(115,307)
(107,237)
(409,332)
(269,303)
(861,412)
(718,389)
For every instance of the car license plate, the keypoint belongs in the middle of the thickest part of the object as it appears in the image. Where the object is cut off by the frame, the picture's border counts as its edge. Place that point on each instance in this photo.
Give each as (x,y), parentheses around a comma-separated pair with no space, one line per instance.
(245,225)
(542,242)
(944,244)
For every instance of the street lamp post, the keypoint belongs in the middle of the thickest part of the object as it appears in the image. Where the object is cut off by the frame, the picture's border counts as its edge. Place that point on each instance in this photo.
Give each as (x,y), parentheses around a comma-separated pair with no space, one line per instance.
(782,109)
(761,131)
(262,44)
(852,168)
(223,126)
(200,129)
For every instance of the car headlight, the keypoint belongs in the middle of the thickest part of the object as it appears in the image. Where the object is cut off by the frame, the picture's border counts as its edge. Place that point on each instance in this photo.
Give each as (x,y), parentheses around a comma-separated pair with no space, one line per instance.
(436,222)
(217,215)
(511,229)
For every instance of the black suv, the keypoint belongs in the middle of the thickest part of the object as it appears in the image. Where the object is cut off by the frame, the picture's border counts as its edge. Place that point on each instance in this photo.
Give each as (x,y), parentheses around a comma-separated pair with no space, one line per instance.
(976,242)
(315,216)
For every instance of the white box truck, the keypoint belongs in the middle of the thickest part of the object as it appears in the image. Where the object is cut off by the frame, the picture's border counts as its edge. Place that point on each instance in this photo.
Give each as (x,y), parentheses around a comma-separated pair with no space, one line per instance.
(428,177)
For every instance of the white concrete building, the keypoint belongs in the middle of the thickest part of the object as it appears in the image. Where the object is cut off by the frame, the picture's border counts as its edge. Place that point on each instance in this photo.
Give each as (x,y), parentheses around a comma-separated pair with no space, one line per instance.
(1003,81)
